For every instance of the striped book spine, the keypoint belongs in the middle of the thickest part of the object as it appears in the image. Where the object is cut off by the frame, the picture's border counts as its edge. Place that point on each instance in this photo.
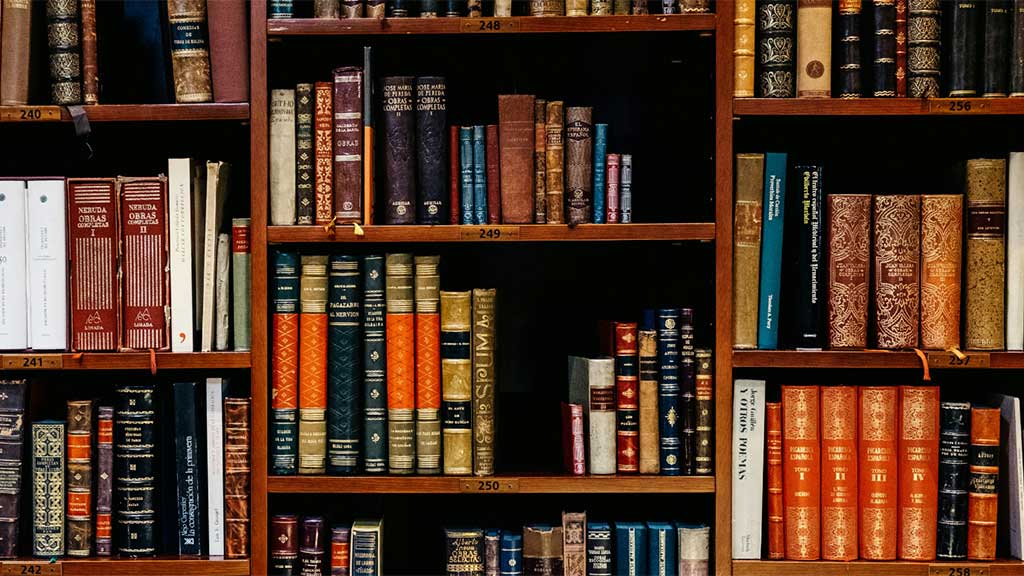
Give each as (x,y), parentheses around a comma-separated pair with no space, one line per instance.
(313,365)
(144,258)
(284,404)
(375,407)
(135,470)
(95,289)
(427,286)
(668,390)
(344,296)
(401,359)
(704,444)
(79,477)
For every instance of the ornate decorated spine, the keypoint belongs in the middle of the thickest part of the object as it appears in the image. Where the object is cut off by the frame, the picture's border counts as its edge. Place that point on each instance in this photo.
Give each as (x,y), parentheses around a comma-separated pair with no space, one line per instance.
(284,545)
(599,549)
(352,8)
(241,283)
(600,152)
(479,174)
(687,393)
(626,190)
(801,467)
(924,48)
(95,288)
(814,49)
(485,345)
(134,470)
(849,250)
(601,7)
(79,478)
(574,459)
(432,148)
(144,249)
(986,254)
(399,149)
(454,176)
(466,174)
(12,417)
(776,48)
(515,117)
(1016,49)
(838,473)
(621,6)
(897,270)
(627,429)
(511,558)
(492,160)
(282,157)
(475,8)
(547,7)
(901,48)
(366,548)
(341,550)
(743,51)
(983,494)
(554,138)
(773,432)
(305,197)
(62,21)
(190,53)
(344,363)
(311,548)
(284,432)
(464,551)
(104,479)
(579,150)
(326,9)
(187,472)
(954,449)
(919,469)
(668,391)
(313,365)
(90,74)
(883,48)
(281,9)
(639,7)
(961,19)
(348,139)
(612,167)
(878,409)
(323,151)
(375,9)
(374,393)
(492,552)
(850,85)
(771,254)
(401,364)
(542,550)
(48,488)
(574,547)
(746,264)
(427,286)
(576,7)
(540,175)
(631,548)
(704,444)
(812,249)
(996,48)
(648,362)
(941,238)
(691,6)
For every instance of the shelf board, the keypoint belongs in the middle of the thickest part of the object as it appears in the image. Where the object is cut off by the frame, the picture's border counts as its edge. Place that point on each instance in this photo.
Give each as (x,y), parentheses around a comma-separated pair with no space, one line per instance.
(850,359)
(126,360)
(638,484)
(861,567)
(130,112)
(515,24)
(875,106)
(158,566)
(521,233)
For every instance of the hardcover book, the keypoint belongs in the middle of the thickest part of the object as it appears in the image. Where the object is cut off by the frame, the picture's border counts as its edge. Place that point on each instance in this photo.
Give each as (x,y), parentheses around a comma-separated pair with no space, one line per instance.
(284,545)
(901,48)
(954,450)
(878,463)
(312,545)
(850,72)
(592,385)
(516,123)
(924,48)
(454,176)
(849,251)
(919,471)
(574,544)
(493,175)
(599,549)
(135,470)
(743,50)
(809,260)
(941,239)
(188,473)
(511,555)
(748,406)
(237,470)
(341,549)
(648,365)
(213,403)
(814,49)
(627,393)
(401,364)
(694,549)
(485,379)
(12,418)
(838,473)
(374,392)
(305,196)
(542,550)
(241,284)
(144,247)
(662,548)
(883,48)
(399,150)
(323,151)
(15,45)
(13,266)
(93,251)
(104,479)
(479,174)
(631,549)
(464,551)
(457,382)
(432,149)
(982,497)
(626,190)
(776,48)
(771,253)
(229,62)
(540,175)
(348,140)
(573,440)
(986,254)
(427,285)
(344,369)
(773,433)
(47,488)
(492,550)
(1017,49)
(313,365)
(704,441)
(184,199)
(79,478)
(801,468)
(466,175)
(961,20)
(600,152)
(222,316)
(613,163)
(996,17)
(668,392)
(579,150)
(282,157)
(367,541)
(1015,248)
(746,264)
(47,266)
(217,174)
(687,392)
(554,133)
(897,270)
(190,52)
(284,375)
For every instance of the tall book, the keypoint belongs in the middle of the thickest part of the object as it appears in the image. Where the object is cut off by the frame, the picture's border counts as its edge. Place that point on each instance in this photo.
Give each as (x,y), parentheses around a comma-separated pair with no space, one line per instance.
(746,263)
(464,551)
(771,253)
(592,385)
(631,548)
(776,47)
(229,62)
(13,266)
(12,429)
(454,176)
(668,391)
(986,254)
(849,236)
(344,363)
(213,404)
(694,549)
(748,433)
(878,426)
(704,393)
(282,157)
(323,151)
(1015,248)
(919,471)
(305,198)
(801,468)
(367,541)
(811,280)
(15,45)
(773,456)
(241,284)
(135,468)
(284,545)
(374,393)
(1011,462)
(960,21)
(579,150)
(850,72)
(542,550)
(599,549)
(924,48)
(466,208)
(954,451)
(511,555)
(188,473)
(399,150)
(237,468)
(574,545)
(662,548)
(600,171)
(516,123)
(838,473)
(493,175)
(181,197)
(540,175)
(647,341)
(901,48)
(687,392)
(995,74)
(312,545)
(982,497)
(457,382)
(217,176)
(743,50)
(190,51)
(62,22)
(627,393)
(814,49)
(348,141)
(104,479)
(48,488)
(427,286)
(79,478)
(883,48)
(1017,49)
(401,364)
(95,290)
(47,266)
(144,245)
(485,379)
(313,365)
(284,375)
(554,142)
(431,148)
(941,240)
(897,270)
(222,292)
(479,174)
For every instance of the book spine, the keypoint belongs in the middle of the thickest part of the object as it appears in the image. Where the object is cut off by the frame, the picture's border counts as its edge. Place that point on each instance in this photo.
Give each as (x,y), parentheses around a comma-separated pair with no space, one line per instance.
(348,140)
(432,147)
(579,150)
(547,7)
(647,341)
(996,48)
(237,469)
(612,167)
(687,393)
(801,466)
(344,353)
(427,286)
(454,176)
(962,20)
(479,174)
(47,266)
(573,441)
(954,450)
(1016,49)
(282,157)
(14,67)
(897,270)
(92,227)
(746,263)
(597,394)
(630,549)
(600,152)
(702,458)
(229,58)
(399,151)
(626,190)
(457,378)
(494,196)
(814,49)
(341,551)
(323,152)
(466,172)
(554,138)
(12,417)
(576,7)
(223,280)
(281,9)
(982,496)
(62,21)
(662,548)
(924,49)
(941,239)
(213,404)
(135,470)
(429,9)
(284,545)
(877,474)
(183,194)
(849,252)
(812,249)
(771,253)
(144,248)
(485,347)
(284,432)
(743,50)
(622,6)
(986,255)
(79,478)
(313,365)
(511,555)
(1014,251)
(919,471)
(326,9)
(776,530)
(694,549)
(104,479)
(516,120)
(311,546)
(90,75)
(186,453)
(366,549)
(542,553)
(375,9)
(776,48)
(627,428)
(48,488)
(838,473)
(401,364)
(574,546)
(352,8)
(540,174)
(464,551)
(305,196)
(901,48)
(599,549)
(13,266)
(668,391)
(241,284)
(375,398)
(190,53)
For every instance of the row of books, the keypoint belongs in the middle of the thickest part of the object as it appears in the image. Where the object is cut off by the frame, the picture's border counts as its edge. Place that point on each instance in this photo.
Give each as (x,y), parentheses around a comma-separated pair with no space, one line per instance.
(477,8)
(907,254)
(304,548)
(120,265)
(204,474)
(365,353)
(916,49)
(167,40)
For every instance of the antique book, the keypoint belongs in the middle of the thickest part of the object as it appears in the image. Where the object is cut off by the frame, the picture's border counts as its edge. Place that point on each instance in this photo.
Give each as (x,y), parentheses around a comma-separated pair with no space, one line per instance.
(427,286)
(284,545)
(79,478)
(704,441)
(613,164)
(810,311)
(897,270)
(627,394)
(746,264)
(883,48)
(13,266)
(579,150)
(492,550)
(217,176)
(479,174)
(432,149)
(464,551)
(516,120)
(838,473)
(694,549)
(104,479)
(485,379)
(600,152)
(144,264)
(592,385)
(668,392)
(341,556)
(323,152)
(801,468)
(547,7)
(15,46)
(982,496)
(213,405)
(282,157)
(878,426)
(554,134)
(919,471)
(1011,462)
(574,459)
(941,238)
(743,50)
(1017,49)
(850,72)
(849,250)
(305,198)
(326,9)
(367,541)
(748,435)
(647,341)
(599,549)
(374,392)
(773,460)
(601,7)
(576,7)
(313,365)
(454,176)
(47,265)
(48,488)
(221,321)
(237,468)
(630,548)
(924,48)
(776,48)
(574,545)
(399,150)
(960,22)
(774,213)
(511,554)
(401,364)
(375,9)
(814,49)
(93,251)
(493,170)
(348,140)
(12,417)
(687,393)
(1015,252)
(542,550)
(662,548)
(135,468)
(284,364)
(626,190)
(352,8)
(190,52)
(312,545)
(142,44)
(344,363)
(901,48)
(996,18)
(65,64)
(540,175)
(181,201)
(241,284)
(466,208)
(690,6)
(986,257)
(229,60)
(188,474)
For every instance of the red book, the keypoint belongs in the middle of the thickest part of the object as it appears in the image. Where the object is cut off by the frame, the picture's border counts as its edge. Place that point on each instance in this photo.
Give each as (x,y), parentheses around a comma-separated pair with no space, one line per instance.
(776,533)
(878,406)
(627,392)
(348,145)
(983,494)
(839,473)
(572,440)
(95,286)
(901,48)
(453,175)
(919,471)
(493,176)
(144,249)
(801,470)
(323,151)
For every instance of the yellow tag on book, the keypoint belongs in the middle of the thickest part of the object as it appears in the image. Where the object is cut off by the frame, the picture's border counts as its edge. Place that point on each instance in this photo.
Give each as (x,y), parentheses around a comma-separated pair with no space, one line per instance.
(33,361)
(489,485)
(37,568)
(488,233)
(490,25)
(938,360)
(957,105)
(30,113)
(958,569)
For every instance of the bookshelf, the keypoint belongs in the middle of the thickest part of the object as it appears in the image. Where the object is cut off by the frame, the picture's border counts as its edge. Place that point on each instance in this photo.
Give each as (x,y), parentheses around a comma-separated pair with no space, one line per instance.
(130,112)
(700,231)
(879,107)
(532,484)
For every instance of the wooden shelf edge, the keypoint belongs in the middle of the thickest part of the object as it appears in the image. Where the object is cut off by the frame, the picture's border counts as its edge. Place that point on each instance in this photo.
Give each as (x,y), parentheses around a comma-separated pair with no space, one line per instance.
(875,359)
(517,24)
(640,484)
(133,112)
(159,566)
(862,567)
(704,231)
(876,107)
(133,360)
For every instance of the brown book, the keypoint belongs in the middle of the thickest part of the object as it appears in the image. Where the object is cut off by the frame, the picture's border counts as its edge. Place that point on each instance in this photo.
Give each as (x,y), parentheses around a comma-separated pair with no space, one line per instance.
(574,543)
(542,550)
(326,9)
(553,150)
(839,473)
(323,152)
(814,48)
(776,529)
(90,69)
(579,164)
(348,145)
(485,379)
(649,435)
(190,53)
(229,50)
(518,184)
(919,471)
(746,258)
(237,438)
(983,491)
(986,254)
(801,468)
(897,270)
(79,477)
(877,475)
(15,47)
(494,195)
(743,51)
(941,240)
(144,249)
(540,107)
(849,251)
(93,238)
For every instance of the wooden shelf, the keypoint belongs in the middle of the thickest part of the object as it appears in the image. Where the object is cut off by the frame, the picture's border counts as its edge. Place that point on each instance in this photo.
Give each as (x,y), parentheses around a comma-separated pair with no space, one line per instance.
(159,566)
(850,359)
(516,24)
(876,106)
(520,233)
(32,361)
(861,568)
(129,112)
(635,484)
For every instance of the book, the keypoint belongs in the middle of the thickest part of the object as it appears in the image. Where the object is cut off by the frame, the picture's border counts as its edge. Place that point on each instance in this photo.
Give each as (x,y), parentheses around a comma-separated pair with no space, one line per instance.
(323,151)
(746,263)
(1015,250)
(592,385)
(284,375)
(579,150)
(62,22)
(878,408)
(431,148)
(900,29)
(79,478)
(347,140)
(222,315)
(104,479)
(282,157)
(457,382)
(327,9)
(284,545)
(613,163)
(485,379)
(466,173)
(599,549)
(135,471)
(540,107)
(181,197)
(814,49)
(776,29)
(849,252)
(190,51)
(961,20)
(574,546)
(995,76)
(647,341)
(811,279)
(47,265)
(144,245)
(542,550)
(743,50)
(517,132)
(454,176)
(630,548)
(427,286)
(687,393)
(704,440)
(662,548)
(311,545)
(15,46)
(1017,49)
(954,449)
(237,468)
(627,394)
(919,471)
(511,555)
(241,284)
(48,488)
(801,469)
(399,151)
(554,142)
(493,174)
(199,171)
(626,190)
(367,541)
(217,175)
(479,174)
(897,241)
(748,406)
(771,254)
(229,60)
(773,440)
(12,431)
(374,393)
(13,266)
(213,404)
(838,473)
(401,364)
(668,392)
(188,473)
(850,71)
(464,551)
(982,496)
(344,363)
(574,459)
(694,549)
(600,152)
(986,255)
(883,48)
(547,7)
(941,239)
(492,551)
(1011,462)
(93,251)
(924,49)
(305,198)
(313,326)
(341,550)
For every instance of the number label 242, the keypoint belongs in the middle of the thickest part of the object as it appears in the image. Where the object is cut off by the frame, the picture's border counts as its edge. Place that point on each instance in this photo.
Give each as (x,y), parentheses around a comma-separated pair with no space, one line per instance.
(32,569)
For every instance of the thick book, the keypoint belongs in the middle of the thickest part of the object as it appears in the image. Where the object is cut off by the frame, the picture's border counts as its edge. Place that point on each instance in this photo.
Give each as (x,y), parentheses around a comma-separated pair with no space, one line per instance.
(237,469)
(479,174)
(878,463)
(647,341)
(776,48)
(941,240)
(135,468)
(579,150)
(919,472)
(190,51)
(344,363)
(464,551)
(897,281)
(305,199)
(485,379)
(743,49)
(838,473)
(284,364)
(630,549)
(47,265)
(241,284)
(687,393)
(313,365)
(144,247)
(510,559)
(960,23)
(516,123)
(924,48)
(746,263)
(188,473)
(431,149)
(399,150)
(704,445)
(574,460)
(48,488)
(104,479)
(883,48)
(995,50)
(982,496)
(222,292)
(613,163)
(367,541)
(284,545)
(773,470)
(1015,250)
(341,550)
(323,152)
(93,252)
(79,478)
(374,392)
(662,548)
(694,549)
(15,45)
(554,155)
(312,544)
(181,199)
(849,250)
(774,211)
(466,208)
(600,171)
(229,59)
(542,550)
(13,266)
(627,394)
(457,382)
(347,140)
(62,22)
(849,64)
(811,274)
(282,157)
(986,254)
(668,392)
(574,545)
(592,385)
(599,549)
(12,430)
(493,175)
(954,451)
(401,364)
(427,287)
(814,49)
(748,434)
(213,405)
(801,470)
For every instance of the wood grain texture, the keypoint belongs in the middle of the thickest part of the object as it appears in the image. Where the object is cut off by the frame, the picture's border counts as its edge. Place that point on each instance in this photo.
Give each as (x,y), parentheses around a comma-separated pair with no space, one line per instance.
(602,484)
(527,233)
(141,360)
(402,26)
(876,359)
(865,107)
(157,112)
(159,566)
(859,568)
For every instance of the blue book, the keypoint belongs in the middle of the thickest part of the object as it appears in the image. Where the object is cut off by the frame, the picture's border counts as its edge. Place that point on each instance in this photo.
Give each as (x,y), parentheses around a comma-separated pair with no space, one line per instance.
(771,250)
(631,549)
(375,393)
(365,551)
(668,390)
(466,170)
(599,549)
(662,548)
(600,151)
(284,422)
(187,458)
(344,363)
(511,554)
(281,9)
(479,175)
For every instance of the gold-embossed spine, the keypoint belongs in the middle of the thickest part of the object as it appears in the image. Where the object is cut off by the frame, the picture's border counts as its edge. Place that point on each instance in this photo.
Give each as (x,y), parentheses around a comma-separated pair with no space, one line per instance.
(539,160)
(941,242)
(848,269)
(457,382)
(746,264)
(802,472)
(484,349)
(986,254)
(553,150)
(743,50)
(897,270)
(839,473)
(325,9)
(190,53)
(576,7)
(64,42)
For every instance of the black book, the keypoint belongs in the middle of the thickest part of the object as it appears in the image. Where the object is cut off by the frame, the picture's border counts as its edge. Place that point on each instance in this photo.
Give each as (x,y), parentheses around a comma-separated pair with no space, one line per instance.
(135,470)
(12,430)
(188,470)
(599,549)
(687,394)
(850,73)
(960,20)
(776,48)
(811,258)
(954,448)
(432,149)
(1017,49)
(305,196)
(375,407)
(995,52)
(399,149)
(884,49)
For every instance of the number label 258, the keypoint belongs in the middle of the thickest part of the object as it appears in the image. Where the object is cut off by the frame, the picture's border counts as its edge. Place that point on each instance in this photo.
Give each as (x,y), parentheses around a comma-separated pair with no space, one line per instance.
(958,570)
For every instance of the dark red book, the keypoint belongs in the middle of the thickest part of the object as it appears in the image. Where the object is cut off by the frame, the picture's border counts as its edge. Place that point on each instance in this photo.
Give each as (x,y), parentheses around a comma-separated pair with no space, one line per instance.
(627,388)
(573,439)
(92,248)
(144,247)
(453,175)
(348,145)
(493,176)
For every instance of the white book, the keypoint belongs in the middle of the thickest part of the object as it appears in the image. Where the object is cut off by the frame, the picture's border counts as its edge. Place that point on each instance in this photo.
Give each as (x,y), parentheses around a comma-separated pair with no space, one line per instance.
(1015,253)
(217,174)
(585,376)
(214,403)
(223,299)
(748,430)
(282,157)
(47,266)
(179,188)
(198,241)
(1011,476)
(694,549)
(13,288)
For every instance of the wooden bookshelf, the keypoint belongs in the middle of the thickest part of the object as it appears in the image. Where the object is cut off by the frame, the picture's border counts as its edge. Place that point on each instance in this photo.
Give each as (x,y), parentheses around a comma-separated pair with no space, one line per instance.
(486,26)
(877,106)
(534,484)
(112,566)
(495,233)
(28,361)
(129,112)
(862,568)
(877,359)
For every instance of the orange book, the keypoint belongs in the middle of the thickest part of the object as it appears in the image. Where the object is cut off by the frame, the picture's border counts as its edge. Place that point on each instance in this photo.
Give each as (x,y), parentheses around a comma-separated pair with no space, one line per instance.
(427,286)
(919,471)
(878,472)
(313,365)
(982,495)
(839,473)
(801,468)
(776,536)
(400,326)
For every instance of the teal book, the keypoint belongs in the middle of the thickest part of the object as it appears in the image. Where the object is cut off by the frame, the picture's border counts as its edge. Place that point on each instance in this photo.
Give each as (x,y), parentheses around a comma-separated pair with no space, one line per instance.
(662,548)
(771,250)
(600,151)
(466,172)
(479,175)
(630,549)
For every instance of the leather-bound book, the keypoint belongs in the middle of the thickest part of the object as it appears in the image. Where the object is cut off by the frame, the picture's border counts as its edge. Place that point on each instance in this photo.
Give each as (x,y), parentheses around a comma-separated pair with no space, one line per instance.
(883,48)
(592,385)
(466,208)
(79,478)
(187,471)
(743,50)
(284,545)
(954,450)
(601,7)
(12,418)
(323,152)
(281,9)
(574,460)
(454,175)
(305,197)
(457,381)
(694,549)
(547,7)
(687,392)
(516,120)
(427,286)
(704,444)
(1017,49)
(366,547)
(776,48)
(90,69)
(540,176)
(627,428)
(810,293)
(284,375)
(48,488)
(746,264)
(554,134)
(579,151)
(348,141)
(897,270)
(401,363)
(375,9)
(479,174)
(814,49)
(919,471)
(668,391)
(983,494)
(494,196)
(485,379)
(692,6)
(229,59)
(662,548)
(901,48)
(849,234)
(631,548)
(647,341)
(613,163)
(352,8)
(15,46)
(190,53)
(341,550)
(312,545)
(626,190)
(399,150)
(327,9)
(600,171)
(986,254)
(104,479)
(599,549)
(878,408)
(237,468)
(995,51)
(576,7)
(941,239)
(639,7)
(542,550)
(961,21)
(144,248)
(574,543)
(776,530)
(313,365)
(93,246)
(374,393)
(432,149)
(492,551)
(464,551)
(344,363)
(924,48)
(62,21)
(801,467)
(135,470)
(282,157)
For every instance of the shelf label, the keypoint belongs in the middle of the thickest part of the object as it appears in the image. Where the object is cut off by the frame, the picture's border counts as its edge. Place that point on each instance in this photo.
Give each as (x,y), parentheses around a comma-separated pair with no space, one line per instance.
(30,113)
(490,485)
(958,569)
(957,105)
(950,360)
(33,361)
(490,25)
(488,233)
(31,568)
